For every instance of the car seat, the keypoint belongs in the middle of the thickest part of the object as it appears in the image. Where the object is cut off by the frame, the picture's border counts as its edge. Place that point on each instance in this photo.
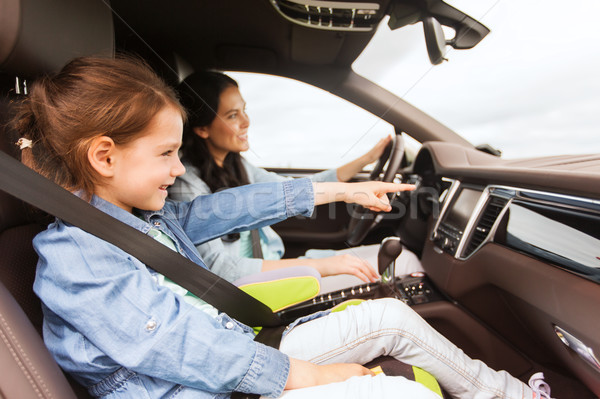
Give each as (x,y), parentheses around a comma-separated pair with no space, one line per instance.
(28,369)
(36,37)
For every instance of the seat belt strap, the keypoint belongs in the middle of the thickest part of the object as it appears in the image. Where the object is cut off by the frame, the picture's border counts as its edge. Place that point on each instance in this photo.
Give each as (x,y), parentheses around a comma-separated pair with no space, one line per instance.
(256,247)
(25,184)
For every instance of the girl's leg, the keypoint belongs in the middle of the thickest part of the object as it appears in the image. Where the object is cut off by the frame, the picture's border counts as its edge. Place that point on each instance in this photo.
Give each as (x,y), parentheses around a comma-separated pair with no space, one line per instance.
(380,387)
(389,327)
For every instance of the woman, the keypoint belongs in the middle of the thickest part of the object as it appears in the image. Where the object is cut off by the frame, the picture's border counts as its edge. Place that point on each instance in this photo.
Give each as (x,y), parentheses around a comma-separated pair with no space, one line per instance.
(214,137)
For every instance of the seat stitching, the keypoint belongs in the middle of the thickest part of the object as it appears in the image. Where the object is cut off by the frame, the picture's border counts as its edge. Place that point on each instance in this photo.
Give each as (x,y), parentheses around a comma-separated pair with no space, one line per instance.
(11,341)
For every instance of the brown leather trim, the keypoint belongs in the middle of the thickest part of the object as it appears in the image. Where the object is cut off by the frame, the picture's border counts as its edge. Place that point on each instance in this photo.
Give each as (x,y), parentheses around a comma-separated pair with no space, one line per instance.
(473,338)
(522,299)
(573,175)
(28,370)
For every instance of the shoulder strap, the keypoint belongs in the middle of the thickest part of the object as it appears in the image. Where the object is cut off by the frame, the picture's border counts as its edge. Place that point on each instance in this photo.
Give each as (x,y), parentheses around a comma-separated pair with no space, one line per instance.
(25,184)
(256,247)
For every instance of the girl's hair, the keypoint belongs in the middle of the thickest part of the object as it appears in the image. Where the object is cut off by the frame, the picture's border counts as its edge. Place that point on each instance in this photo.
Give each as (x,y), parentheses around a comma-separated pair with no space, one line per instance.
(200,94)
(90,97)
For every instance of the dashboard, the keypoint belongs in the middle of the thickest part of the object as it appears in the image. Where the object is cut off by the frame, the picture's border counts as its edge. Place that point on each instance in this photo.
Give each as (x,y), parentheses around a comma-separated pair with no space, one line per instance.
(511,250)
(562,230)
(516,244)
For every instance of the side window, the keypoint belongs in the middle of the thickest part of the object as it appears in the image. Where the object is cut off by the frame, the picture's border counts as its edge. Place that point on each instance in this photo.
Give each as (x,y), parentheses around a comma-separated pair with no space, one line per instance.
(295,125)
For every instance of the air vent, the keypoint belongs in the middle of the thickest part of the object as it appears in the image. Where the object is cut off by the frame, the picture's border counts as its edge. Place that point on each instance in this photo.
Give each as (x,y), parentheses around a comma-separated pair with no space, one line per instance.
(484,225)
(330,15)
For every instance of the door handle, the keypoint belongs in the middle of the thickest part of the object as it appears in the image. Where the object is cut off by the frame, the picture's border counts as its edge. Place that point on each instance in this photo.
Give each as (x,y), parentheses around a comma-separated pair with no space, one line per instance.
(574,343)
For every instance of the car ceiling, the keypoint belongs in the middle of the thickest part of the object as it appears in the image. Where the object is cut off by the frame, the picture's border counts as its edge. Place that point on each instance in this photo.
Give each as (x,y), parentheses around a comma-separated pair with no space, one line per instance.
(250,35)
(179,37)
(247,35)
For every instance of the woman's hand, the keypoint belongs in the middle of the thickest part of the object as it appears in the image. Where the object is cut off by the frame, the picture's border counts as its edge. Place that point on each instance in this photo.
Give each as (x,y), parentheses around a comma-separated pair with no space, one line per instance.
(371,195)
(304,374)
(344,264)
(347,171)
(375,153)
(329,266)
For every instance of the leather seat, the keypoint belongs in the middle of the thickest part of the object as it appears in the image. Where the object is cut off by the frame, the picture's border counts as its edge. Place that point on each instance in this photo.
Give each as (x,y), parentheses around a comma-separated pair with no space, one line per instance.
(28,369)
(37,37)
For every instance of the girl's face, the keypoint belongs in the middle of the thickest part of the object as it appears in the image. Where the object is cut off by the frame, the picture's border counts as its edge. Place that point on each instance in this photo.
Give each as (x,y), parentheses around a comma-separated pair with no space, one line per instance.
(145,167)
(228,132)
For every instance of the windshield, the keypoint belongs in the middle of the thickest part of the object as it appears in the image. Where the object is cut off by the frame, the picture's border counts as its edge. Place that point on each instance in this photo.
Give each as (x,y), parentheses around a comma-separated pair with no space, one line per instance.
(530,88)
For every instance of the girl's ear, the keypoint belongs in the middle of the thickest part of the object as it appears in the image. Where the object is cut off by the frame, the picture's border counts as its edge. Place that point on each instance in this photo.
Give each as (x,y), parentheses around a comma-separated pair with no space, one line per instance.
(201,132)
(101,155)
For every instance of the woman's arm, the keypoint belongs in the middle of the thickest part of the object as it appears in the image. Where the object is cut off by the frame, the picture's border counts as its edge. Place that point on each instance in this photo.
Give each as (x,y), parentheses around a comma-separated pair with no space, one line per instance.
(347,171)
(329,266)
(342,174)
(260,175)
(222,262)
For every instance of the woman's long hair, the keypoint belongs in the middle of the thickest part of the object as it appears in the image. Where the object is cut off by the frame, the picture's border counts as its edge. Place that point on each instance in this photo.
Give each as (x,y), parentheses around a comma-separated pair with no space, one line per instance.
(200,94)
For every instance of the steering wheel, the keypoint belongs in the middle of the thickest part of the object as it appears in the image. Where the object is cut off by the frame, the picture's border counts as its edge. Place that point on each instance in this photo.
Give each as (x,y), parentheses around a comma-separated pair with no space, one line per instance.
(362,220)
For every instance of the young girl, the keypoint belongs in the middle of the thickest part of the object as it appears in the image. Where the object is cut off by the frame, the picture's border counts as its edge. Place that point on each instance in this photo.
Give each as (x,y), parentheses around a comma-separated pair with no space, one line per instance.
(216,133)
(109,130)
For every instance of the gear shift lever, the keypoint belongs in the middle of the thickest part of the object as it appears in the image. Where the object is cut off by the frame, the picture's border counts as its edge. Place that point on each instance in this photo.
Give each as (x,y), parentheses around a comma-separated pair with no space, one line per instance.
(389,250)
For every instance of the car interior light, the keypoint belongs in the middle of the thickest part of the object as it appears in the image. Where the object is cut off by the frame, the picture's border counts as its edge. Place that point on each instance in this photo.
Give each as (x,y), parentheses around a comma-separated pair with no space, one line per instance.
(330,15)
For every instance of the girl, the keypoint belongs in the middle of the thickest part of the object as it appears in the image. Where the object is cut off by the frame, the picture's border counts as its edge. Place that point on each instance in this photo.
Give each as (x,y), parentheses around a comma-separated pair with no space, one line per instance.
(109,130)
(216,133)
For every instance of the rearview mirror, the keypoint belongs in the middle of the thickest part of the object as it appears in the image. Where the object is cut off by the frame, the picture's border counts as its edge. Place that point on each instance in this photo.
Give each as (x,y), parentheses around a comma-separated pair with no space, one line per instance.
(434,40)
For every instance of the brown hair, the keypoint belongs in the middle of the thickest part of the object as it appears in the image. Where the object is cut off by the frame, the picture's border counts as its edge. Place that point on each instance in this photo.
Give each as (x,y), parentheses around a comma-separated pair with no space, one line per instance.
(90,97)
(200,93)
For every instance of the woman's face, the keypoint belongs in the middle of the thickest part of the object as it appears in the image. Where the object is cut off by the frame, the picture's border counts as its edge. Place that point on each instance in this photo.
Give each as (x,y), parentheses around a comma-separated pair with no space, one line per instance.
(228,132)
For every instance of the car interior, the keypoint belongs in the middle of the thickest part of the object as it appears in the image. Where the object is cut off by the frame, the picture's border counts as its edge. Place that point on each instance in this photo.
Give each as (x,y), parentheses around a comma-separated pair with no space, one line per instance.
(510,248)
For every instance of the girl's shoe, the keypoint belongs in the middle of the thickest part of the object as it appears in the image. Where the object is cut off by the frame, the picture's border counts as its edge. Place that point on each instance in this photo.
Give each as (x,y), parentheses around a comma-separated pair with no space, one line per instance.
(541,389)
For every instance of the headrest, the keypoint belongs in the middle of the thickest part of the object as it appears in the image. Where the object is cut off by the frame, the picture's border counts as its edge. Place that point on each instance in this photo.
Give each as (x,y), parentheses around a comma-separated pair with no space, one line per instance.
(40,36)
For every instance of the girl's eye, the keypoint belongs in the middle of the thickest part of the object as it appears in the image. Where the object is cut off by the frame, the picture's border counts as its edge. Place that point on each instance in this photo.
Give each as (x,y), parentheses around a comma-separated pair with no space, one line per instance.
(232,116)
(167,153)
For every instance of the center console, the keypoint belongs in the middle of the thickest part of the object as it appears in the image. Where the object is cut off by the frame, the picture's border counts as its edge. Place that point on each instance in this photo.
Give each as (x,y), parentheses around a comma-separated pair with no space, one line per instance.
(461,206)
(413,289)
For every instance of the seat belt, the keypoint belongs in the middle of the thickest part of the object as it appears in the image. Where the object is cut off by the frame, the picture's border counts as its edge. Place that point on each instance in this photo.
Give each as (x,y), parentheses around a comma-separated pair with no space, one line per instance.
(23,183)
(27,185)
(256,247)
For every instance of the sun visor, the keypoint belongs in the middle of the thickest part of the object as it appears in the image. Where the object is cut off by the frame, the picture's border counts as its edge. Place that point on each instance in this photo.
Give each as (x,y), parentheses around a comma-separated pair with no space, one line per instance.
(38,36)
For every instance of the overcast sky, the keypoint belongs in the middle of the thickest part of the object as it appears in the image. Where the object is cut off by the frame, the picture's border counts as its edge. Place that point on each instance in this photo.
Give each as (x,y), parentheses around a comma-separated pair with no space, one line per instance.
(530,88)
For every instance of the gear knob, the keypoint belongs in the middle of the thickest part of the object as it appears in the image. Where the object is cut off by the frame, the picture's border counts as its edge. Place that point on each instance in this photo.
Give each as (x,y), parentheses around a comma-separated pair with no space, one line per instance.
(389,250)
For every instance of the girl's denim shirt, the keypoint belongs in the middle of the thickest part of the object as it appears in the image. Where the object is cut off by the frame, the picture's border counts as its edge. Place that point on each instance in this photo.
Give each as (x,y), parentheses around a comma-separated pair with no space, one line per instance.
(223,258)
(108,322)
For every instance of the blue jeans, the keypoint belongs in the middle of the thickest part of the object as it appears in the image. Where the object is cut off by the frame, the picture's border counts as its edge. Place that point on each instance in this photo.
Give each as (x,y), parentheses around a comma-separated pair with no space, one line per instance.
(389,327)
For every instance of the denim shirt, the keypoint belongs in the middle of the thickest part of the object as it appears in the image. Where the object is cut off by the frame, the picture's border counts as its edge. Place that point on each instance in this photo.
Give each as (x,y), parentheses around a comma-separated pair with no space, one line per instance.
(108,322)
(224,258)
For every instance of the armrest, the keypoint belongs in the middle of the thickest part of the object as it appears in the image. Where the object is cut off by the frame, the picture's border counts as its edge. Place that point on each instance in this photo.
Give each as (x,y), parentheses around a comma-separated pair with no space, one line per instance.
(282,288)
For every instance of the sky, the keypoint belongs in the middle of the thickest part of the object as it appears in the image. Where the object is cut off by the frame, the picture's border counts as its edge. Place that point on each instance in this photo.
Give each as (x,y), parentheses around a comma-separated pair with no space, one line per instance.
(530,88)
